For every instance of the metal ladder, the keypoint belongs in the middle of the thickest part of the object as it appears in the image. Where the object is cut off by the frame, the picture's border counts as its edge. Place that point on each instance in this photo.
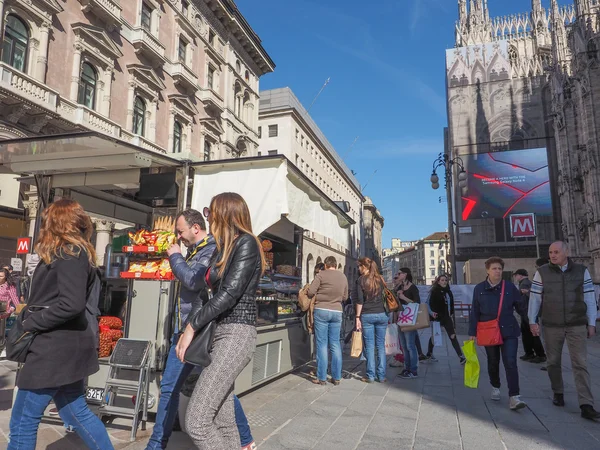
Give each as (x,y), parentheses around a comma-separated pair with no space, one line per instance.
(128,355)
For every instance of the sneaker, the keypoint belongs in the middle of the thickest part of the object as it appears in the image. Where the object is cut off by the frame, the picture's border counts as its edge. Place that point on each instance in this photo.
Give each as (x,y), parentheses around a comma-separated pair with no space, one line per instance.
(396,363)
(538,360)
(381,380)
(558,400)
(588,412)
(495,394)
(407,375)
(319,382)
(251,446)
(516,403)
(366,380)
(463,360)
(53,411)
(431,358)
(527,357)
(422,358)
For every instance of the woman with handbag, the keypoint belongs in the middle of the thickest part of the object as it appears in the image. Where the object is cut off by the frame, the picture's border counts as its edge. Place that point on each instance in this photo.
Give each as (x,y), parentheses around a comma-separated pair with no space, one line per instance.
(408,293)
(493,325)
(372,319)
(441,303)
(232,276)
(64,350)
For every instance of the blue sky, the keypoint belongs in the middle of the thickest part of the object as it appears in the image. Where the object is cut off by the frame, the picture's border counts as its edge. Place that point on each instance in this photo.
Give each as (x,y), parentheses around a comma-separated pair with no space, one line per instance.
(387,68)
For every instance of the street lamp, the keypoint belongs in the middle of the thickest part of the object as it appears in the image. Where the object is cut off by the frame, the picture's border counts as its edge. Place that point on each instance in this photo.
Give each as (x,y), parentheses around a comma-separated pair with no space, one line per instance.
(443,160)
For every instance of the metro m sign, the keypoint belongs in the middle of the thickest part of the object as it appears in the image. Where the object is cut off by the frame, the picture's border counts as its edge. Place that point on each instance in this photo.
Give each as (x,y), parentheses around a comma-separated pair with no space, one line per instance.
(23,245)
(522,225)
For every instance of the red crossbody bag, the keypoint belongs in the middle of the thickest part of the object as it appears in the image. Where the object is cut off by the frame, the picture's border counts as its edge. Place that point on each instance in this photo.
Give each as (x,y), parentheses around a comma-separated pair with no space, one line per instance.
(488,333)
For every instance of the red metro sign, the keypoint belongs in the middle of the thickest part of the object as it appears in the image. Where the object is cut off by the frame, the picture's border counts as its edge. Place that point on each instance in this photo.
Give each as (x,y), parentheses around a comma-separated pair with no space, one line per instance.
(522,225)
(23,245)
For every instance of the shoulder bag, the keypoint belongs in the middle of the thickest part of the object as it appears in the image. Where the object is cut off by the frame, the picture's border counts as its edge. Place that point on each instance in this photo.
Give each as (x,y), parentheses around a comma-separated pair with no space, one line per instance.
(488,333)
(390,302)
(18,340)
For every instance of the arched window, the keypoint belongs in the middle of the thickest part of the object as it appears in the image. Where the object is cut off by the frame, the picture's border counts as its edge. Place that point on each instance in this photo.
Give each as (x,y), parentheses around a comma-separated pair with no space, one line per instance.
(177,137)
(16,41)
(238,66)
(139,113)
(87,86)
(247,76)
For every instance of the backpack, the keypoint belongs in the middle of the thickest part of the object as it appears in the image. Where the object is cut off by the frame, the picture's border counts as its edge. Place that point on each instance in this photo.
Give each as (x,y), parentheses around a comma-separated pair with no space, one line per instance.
(92,310)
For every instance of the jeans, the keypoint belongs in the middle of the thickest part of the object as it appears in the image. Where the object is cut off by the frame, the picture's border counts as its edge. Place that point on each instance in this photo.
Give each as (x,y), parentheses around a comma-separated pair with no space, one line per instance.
(172,380)
(30,405)
(328,325)
(409,348)
(374,327)
(447,323)
(509,359)
(531,344)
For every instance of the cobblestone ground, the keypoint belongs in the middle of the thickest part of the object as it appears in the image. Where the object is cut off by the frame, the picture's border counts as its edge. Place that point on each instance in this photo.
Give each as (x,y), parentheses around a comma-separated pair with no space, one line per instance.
(434,411)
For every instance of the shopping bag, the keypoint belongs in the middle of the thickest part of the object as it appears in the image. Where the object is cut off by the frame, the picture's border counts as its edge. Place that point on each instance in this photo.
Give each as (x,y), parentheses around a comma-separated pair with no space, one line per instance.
(357,344)
(392,346)
(408,315)
(472,365)
(436,332)
(422,319)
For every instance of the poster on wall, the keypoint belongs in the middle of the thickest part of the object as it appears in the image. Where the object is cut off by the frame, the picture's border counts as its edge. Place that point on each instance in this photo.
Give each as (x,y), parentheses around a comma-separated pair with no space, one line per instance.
(500,184)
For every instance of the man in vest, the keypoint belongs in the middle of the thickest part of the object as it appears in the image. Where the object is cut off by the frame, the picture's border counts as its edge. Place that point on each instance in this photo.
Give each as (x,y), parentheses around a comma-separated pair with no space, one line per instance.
(569,313)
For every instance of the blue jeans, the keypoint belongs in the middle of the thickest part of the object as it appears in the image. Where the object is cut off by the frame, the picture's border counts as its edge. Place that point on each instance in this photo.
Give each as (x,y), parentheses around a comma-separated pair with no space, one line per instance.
(374,327)
(328,325)
(172,380)
(409,348)
(30,405)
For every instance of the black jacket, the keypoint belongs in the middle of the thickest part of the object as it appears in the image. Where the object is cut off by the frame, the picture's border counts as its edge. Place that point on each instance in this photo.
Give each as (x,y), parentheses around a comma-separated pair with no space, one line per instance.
(64,351)
(234,299)
(439,303)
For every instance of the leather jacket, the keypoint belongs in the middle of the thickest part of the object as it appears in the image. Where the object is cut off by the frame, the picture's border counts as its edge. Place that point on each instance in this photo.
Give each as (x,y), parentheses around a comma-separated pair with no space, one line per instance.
(234,299)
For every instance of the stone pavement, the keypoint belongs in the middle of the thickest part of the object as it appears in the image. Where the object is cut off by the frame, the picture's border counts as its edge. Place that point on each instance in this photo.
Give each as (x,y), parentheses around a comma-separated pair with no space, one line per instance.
(434,411)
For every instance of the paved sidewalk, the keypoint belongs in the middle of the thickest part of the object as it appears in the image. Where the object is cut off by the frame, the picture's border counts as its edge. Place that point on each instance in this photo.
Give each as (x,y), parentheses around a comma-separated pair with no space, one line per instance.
(434,411)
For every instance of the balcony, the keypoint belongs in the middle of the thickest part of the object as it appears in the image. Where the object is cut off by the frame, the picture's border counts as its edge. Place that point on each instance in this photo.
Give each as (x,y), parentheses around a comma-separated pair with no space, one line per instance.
(184,77)
(141,141)
(211,99)
(146,44)
(88,118)
(20,87)
(107,10)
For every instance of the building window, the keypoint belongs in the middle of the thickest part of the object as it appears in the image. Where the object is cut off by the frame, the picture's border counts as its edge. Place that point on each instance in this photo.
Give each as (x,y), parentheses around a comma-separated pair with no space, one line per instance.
(259,132)
(259,153)
(433,272)
(177,137)
(139,113)
(185,6)
(432,262)
(432,253)
(211,37)
(238,66)
(16,41)
(247,76)
(273,131)
(182,51)
(146,17)
(206,151)
(272,152)
(442,253)
(210,77)
(87,86)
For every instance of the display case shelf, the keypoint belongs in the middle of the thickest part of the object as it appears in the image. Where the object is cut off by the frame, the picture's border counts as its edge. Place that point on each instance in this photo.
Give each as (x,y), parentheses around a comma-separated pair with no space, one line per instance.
(146,276)
(141,249)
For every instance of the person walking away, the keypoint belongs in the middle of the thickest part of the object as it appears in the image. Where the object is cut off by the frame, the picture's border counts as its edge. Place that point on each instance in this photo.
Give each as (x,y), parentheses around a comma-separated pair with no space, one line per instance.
(408,293)
(331,288)
(532,345)
(64,351)
(441,302)
(487,296)
(569,313)
(233,274)
(372,319)
(190,228)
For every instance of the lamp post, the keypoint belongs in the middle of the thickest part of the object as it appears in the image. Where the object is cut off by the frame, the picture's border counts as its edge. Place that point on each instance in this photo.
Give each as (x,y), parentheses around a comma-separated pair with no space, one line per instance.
(444,161)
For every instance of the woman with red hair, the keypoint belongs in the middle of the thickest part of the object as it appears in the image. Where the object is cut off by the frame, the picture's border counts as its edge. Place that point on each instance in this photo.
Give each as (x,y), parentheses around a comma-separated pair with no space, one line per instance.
(64,350)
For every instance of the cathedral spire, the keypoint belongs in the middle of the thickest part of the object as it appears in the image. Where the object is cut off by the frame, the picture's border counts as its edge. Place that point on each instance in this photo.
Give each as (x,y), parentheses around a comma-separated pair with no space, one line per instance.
(559,34)
(536,6)
(462,11)
(583,7)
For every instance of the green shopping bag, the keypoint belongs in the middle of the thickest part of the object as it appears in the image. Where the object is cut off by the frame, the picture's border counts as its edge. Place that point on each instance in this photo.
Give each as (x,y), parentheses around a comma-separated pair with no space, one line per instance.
(472,365)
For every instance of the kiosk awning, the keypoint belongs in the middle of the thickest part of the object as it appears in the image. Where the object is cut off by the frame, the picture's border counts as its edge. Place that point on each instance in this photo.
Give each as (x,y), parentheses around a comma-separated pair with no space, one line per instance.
(273,188)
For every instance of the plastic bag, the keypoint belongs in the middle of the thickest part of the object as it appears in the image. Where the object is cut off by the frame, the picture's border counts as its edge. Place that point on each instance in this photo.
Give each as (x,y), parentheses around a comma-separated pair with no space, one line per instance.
(472,365)
(392,346)
(436,332)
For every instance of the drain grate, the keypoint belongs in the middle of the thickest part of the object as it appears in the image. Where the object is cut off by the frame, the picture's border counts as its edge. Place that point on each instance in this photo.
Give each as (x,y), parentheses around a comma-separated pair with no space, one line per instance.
(259,420)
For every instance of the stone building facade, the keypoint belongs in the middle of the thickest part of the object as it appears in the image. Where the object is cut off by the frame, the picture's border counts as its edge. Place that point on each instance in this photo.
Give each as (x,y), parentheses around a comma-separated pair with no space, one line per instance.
(499,99)
(172,76)
(373,227)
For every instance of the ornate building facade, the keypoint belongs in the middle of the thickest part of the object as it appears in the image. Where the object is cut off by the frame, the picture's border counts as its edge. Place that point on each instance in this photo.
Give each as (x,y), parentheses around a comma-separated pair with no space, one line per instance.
(505,91)
(172,76)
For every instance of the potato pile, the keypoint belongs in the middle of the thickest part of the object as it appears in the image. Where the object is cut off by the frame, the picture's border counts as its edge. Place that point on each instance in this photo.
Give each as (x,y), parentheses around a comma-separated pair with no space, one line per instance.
(110,333)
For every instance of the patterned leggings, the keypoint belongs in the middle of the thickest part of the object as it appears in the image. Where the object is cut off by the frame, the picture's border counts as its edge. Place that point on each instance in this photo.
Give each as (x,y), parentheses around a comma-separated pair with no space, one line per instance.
(210,418)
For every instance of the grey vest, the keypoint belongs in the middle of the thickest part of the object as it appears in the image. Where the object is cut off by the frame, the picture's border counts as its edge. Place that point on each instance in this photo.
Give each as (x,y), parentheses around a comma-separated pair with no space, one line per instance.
(563,304)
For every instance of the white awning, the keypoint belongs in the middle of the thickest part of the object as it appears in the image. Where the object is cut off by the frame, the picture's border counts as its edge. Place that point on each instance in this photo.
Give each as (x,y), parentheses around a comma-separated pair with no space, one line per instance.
(272,189)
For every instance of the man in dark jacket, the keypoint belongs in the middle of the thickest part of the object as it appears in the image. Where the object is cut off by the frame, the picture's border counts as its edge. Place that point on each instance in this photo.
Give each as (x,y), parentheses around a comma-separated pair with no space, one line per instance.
(534,349)
(569,314)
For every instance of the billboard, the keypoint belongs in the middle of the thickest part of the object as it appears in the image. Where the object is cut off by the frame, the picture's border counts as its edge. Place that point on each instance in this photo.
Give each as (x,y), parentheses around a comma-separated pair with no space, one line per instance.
(503,183)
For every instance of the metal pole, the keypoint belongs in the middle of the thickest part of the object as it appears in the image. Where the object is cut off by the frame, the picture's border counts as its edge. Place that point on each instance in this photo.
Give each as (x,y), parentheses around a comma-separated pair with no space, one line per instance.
(537,238)
(451,228)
